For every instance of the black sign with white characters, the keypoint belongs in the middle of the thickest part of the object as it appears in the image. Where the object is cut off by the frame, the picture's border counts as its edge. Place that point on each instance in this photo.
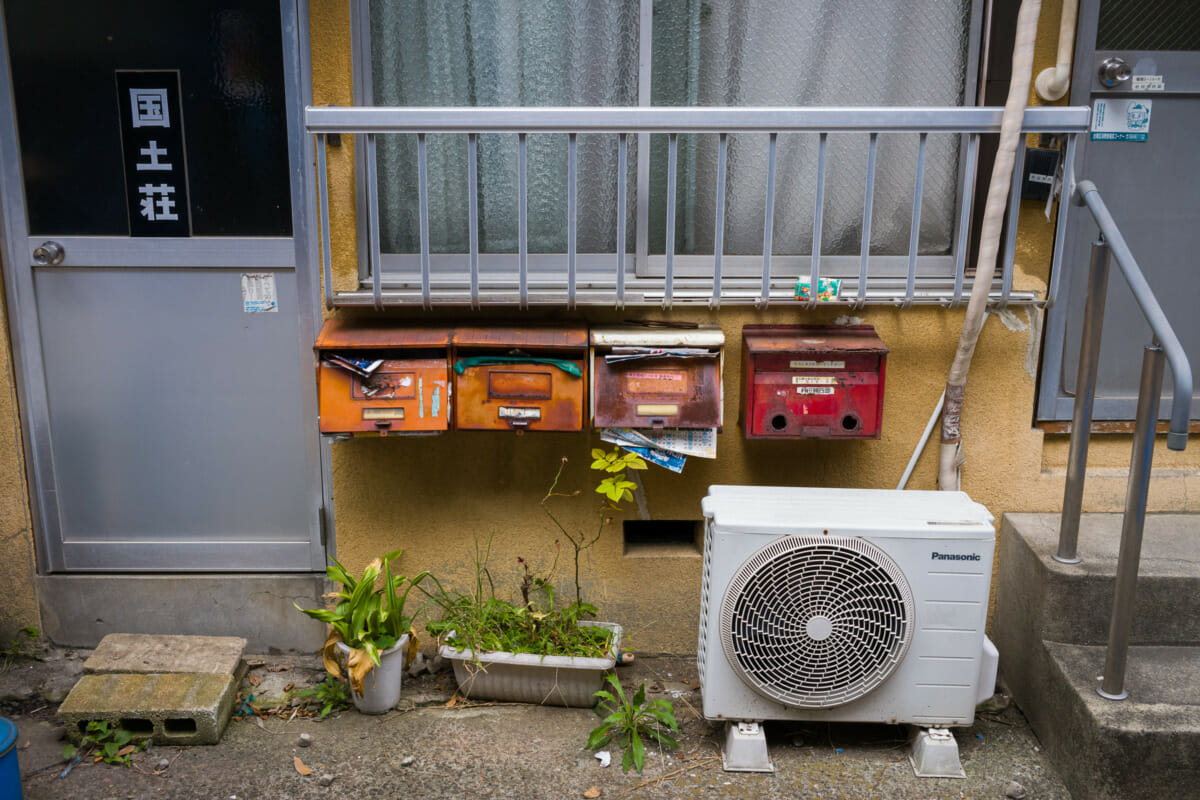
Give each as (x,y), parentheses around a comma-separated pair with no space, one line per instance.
(152,141)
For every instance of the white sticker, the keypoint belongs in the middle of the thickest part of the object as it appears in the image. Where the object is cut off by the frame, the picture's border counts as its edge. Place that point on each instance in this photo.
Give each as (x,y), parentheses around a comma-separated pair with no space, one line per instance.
(814,379)
(1116,120)
(817,364)
(815,390)
(1149,83)
(516,412)
(1037,177)
(258,292)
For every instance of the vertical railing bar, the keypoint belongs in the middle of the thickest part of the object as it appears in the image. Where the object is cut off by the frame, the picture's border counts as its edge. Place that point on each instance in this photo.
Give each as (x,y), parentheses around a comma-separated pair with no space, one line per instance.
(768,222)
(644,96)
(473,212)
(672,176)
(622,212)
(571,222)
(1060,228)
(818,215)
(719,225)
(323,215)
(423,211)
(1085,397)
(373,257)
(522,221)
(964,219)
(1011,221)
(868,203)
(914,236)
(1112,683)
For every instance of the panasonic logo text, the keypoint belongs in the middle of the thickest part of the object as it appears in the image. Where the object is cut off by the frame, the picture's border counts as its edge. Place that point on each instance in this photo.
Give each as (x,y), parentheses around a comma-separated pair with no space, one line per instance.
(957,557)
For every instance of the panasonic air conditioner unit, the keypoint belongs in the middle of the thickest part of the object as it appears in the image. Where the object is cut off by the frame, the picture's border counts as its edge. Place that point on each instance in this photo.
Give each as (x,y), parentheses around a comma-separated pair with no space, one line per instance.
(844,605)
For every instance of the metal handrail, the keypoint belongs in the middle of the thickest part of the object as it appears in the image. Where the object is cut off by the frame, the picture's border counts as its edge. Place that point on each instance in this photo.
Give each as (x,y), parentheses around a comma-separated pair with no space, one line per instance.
(1164,342)
(611,278)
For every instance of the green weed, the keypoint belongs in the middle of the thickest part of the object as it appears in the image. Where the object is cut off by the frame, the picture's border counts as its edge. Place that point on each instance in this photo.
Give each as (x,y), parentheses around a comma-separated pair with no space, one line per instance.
(108,743)
(332,694)
(631,722)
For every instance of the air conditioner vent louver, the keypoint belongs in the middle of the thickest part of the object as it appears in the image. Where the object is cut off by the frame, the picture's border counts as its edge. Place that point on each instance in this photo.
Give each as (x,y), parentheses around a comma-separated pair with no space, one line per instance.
(816,621)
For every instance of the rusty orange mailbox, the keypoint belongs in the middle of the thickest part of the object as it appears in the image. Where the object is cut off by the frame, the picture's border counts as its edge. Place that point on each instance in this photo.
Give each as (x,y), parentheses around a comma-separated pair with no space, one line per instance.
(379,377)
(657,377)
(509,377)
(812,381)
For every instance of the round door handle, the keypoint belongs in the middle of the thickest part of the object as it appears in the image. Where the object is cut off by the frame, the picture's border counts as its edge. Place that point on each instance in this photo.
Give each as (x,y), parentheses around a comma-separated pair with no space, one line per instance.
(1115,71)
(49,254)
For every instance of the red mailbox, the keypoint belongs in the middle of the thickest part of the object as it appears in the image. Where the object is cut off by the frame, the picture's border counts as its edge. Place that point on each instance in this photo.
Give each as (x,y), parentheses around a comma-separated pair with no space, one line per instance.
(812,381)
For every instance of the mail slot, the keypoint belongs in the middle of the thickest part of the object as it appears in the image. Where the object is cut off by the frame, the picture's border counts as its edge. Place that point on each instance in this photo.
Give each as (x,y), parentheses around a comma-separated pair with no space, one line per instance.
(377,377)
(812,382)
(520,377)
(650,377)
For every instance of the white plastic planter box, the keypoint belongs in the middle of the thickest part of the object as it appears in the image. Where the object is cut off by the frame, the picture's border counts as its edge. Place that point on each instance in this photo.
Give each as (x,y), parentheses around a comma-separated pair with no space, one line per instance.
(529,678)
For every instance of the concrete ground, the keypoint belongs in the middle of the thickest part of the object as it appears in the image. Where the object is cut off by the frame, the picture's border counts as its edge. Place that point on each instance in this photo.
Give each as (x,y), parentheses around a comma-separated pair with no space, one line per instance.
(430,750)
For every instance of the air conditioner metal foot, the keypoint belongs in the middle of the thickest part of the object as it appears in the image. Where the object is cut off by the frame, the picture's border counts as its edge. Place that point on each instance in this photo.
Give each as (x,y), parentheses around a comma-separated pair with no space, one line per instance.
(934,754)
(745,748)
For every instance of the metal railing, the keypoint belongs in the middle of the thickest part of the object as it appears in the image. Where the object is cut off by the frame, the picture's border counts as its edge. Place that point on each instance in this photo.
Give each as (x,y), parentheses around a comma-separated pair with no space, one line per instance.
(1164,342)
(621,278)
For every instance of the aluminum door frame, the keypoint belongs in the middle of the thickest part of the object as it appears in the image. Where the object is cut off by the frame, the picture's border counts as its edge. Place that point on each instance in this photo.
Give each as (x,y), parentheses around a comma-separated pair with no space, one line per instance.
(1054,403)
(297,253)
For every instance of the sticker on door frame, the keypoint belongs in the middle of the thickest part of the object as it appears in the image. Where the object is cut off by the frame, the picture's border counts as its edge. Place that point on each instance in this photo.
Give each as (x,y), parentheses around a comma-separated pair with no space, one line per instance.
(1115,120)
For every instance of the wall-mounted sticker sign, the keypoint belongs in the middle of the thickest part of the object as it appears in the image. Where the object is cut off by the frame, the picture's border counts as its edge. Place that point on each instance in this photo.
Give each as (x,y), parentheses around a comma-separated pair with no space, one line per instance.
(1116,120)
(152,144)
(258,292)
(1149,83)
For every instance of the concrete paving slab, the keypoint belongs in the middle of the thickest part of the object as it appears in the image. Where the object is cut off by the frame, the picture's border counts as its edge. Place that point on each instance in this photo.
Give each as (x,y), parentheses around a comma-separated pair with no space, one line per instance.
(179,708)
(145,653)
(498,751)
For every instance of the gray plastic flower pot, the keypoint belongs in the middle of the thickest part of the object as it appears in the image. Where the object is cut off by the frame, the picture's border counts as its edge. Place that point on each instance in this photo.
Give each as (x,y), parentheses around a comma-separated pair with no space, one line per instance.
(529,678)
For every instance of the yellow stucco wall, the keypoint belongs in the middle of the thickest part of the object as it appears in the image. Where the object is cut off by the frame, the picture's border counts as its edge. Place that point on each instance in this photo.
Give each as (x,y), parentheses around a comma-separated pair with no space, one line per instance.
(18,595)
(436,496)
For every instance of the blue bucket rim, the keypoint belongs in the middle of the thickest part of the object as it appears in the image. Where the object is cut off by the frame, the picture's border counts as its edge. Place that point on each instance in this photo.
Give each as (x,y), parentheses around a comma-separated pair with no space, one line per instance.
(8,735)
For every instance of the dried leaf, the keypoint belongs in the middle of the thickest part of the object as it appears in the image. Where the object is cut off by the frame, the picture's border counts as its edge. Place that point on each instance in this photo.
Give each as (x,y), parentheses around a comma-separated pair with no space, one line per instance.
(289,687)
(592,793)
(126,750)
(303,770)
(279,668)
(254,679)
(452,702)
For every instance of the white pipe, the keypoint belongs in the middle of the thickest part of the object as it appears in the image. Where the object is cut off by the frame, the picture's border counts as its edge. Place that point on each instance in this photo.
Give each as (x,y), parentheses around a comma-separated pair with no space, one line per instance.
(951,458)
(1052,83)
(912,462)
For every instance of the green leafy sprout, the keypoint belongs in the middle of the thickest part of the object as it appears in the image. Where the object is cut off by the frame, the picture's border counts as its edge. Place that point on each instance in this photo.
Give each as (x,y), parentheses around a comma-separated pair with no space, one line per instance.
(332,694)
(111,744)
(631,722)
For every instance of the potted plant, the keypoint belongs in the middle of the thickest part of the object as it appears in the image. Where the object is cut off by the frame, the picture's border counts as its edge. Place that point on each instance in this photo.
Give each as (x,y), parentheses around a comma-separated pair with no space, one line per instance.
(538,650)
(370,637)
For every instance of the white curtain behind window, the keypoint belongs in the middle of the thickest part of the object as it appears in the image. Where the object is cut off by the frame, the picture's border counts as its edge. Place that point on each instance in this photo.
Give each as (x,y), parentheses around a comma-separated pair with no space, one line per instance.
(502,53)
(705,52)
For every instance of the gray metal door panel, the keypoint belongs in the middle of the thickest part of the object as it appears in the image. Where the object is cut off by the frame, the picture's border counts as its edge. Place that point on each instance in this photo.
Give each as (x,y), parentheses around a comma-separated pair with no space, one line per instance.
(1152,190)
(173,417)
(167,429)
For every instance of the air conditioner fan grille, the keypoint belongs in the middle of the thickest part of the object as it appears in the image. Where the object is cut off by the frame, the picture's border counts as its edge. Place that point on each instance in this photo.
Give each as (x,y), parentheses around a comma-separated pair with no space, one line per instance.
(817,621)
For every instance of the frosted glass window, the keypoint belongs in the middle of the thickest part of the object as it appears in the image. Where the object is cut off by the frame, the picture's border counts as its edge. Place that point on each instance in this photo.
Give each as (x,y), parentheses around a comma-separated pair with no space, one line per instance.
(703,53)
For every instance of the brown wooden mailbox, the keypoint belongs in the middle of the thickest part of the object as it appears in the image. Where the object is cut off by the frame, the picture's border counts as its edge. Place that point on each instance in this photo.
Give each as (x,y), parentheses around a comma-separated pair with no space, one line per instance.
(812,381)
(509,377)
(651,377)
(379,377)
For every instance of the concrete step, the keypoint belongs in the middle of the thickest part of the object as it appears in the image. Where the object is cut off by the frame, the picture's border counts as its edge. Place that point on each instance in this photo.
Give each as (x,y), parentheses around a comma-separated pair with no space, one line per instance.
(1072,603)
(1147,746)
(1051,627)
(179,708)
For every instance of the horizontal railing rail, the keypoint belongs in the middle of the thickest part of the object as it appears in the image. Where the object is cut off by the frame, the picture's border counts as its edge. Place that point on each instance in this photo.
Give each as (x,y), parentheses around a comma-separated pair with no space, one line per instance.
(622,278)
(1164,342)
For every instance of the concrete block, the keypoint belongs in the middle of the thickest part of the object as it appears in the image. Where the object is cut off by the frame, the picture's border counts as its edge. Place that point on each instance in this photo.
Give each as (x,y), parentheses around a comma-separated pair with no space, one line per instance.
(179,708)
(144,653)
